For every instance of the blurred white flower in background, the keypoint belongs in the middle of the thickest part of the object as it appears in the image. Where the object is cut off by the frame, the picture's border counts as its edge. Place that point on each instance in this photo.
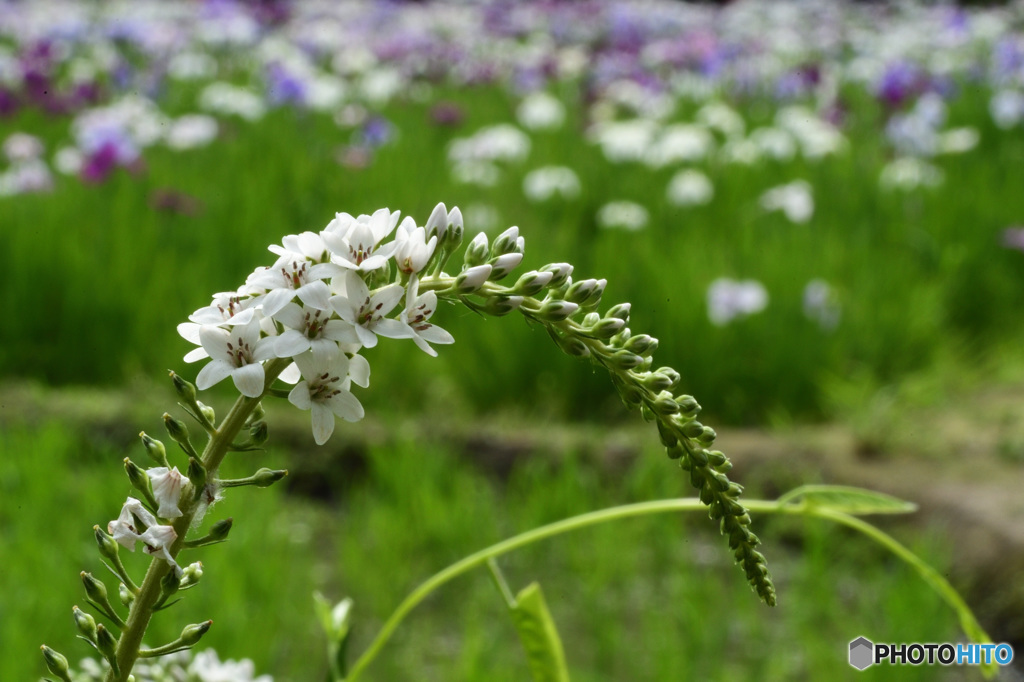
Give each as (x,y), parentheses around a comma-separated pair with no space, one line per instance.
(730,299)
(774,143)
(909,173)
(793,199)
(622,141)
(821,304)
(741,150)
(501,142)
(1007,108)
(546,182)
(190,131)
(541,111)
(958,140)
(679,142)
(721,117)
(232,100)
(625,215)
(22,147)
(689,188)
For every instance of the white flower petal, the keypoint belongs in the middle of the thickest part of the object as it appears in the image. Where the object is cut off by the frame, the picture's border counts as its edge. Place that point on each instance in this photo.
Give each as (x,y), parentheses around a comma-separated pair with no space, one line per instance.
(249,380)
(299,396)
(213,373)
(323,422)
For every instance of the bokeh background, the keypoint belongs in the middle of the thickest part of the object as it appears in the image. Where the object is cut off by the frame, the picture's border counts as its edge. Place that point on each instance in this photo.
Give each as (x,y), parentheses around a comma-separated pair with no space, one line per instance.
(817,207)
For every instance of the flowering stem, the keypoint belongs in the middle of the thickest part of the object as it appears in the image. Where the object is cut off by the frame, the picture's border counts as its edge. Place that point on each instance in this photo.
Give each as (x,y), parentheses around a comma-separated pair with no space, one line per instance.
(142,609)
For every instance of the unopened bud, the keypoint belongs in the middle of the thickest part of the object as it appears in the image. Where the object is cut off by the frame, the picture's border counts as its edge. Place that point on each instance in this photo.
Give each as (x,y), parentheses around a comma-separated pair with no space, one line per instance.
(190,575)
(665,405)
(85,623)
(620,311)
(263,478)
(672,375)
(501,305)
(56,663)
(573,346)
(219,531)
(178,433)
(106,542)
(155,449)
(185,390)
(590,319)
(693,430)
(259,433)
(707,436)
(532,283)
(688,405)
(125,595)
(191,635)
(169,584)
(656,381)
(139,479)
(641,344)
(560,272)
(453,240)
(196,475)
(594,299)
(477,253)
(716,458)
(210,415)
(437,223)
(668,438)
(556,311)
(623,360)
(471,279)
(106,643)
(675,451)
(94,589)
(506,242)
(581,290)
(504,264)
(607,328)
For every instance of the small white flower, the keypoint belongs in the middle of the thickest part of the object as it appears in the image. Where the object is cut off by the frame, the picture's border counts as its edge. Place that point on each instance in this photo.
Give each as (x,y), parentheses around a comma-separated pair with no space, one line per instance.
(909,173)
(238,354)
(821,304)
(208,668)
(356,242)
(193,130)
(793,199)
(367,312)
(418,309)
(544,183)
(324,391)
(541,111)
(309,328)
(123,528)
(158,540)
(1007,108)
(167,485)
(290,277)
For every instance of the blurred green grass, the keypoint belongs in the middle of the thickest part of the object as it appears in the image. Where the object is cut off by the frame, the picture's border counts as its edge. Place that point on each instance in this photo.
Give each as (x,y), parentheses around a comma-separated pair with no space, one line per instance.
(93,279)
(647,599)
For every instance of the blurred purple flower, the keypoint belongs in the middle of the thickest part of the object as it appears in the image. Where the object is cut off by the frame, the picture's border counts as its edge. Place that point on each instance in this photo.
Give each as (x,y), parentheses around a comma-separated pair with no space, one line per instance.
(376,132)
(283,87)
(447,114)
(1013,238)
(900,82)
(100,164)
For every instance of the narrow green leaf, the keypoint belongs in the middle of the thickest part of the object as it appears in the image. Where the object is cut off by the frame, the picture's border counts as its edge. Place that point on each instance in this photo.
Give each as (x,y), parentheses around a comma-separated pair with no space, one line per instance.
(539,636)
(848,500)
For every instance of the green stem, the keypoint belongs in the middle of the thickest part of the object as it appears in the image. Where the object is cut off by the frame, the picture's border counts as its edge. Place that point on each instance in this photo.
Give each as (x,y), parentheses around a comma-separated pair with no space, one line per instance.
(142,609)
(967,621)
(472,561)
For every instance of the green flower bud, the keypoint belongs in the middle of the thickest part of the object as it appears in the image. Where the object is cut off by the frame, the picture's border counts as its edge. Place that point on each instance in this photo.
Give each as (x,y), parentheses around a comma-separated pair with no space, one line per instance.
(219,531)
(259,432)
(263,478)
(607,328)
(572,346)
(647,413)
(665,405)
(471,279)
(477,253)
(700,457)
(125,595)
(106,643)
(107,544)
(716,458)
(139,479)
(556,311)
(155,449)
(624,360)
(508,241)
(196,476)
(707,436)
(620,311)
(580,291)
(721,481)
(55,663)
(687,404)
(94,588)
(631,395)
(560,273)
(85,623)
(590,319)
(676,452)
(641,344)
(671,374)
(185,390)
(501,305)
(179,433)
(656,381)
(666,435)
(532,283)
(693,429)
(210,415)
(594,299)
(191,635)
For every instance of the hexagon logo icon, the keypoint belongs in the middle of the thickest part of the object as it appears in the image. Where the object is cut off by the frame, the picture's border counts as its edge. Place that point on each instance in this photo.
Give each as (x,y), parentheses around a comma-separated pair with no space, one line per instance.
(861,653)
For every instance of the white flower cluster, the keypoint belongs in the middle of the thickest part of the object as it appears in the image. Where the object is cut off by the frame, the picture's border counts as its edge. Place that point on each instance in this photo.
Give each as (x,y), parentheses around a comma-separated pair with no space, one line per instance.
(328,295)
(182,666)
